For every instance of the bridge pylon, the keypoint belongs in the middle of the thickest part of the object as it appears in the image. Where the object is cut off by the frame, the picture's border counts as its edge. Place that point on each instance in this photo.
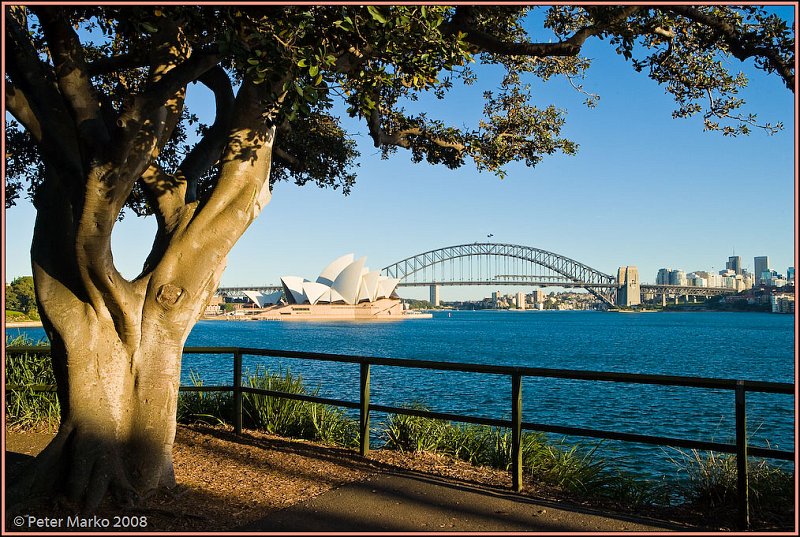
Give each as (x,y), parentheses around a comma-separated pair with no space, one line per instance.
(629,292)
(435,294)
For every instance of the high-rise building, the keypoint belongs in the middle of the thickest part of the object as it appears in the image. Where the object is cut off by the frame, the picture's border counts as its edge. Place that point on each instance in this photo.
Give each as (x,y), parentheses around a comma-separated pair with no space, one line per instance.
(735,264)
(662,278)
(496,298)
(677,277)
(760,266)
(790,274)
(537,296)
(521,300)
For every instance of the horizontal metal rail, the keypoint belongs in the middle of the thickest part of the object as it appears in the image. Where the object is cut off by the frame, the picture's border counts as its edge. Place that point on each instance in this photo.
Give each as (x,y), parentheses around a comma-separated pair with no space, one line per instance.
(571,374)
(205,388)
(31,387)
(301,397)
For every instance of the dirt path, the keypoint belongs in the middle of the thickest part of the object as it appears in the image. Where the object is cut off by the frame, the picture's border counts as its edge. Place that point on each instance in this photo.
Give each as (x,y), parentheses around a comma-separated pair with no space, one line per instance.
(405,502)
(267,483)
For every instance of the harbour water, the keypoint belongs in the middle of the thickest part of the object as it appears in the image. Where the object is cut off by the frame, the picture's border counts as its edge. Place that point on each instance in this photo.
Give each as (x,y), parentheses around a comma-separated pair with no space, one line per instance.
(752,346)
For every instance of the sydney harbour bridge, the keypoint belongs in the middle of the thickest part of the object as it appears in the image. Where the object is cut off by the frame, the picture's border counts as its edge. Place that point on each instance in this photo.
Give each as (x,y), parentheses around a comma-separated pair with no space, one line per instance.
(495,264)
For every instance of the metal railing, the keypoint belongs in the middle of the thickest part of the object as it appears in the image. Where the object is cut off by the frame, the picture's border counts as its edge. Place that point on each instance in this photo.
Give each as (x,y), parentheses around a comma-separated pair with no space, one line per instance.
(740,388)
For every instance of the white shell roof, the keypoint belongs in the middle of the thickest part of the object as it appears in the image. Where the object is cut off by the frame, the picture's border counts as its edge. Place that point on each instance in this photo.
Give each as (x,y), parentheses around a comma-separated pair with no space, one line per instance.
(348,281)
(369,286)
(314,291)
(329,273)
(255,296)
(293,286)
(386,287)
(344,280)
(262,299)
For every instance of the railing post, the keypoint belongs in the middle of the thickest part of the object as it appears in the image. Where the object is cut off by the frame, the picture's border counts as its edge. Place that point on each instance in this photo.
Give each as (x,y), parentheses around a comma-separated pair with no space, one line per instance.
(742,485)
(516,431)
(364,409)
(237,392)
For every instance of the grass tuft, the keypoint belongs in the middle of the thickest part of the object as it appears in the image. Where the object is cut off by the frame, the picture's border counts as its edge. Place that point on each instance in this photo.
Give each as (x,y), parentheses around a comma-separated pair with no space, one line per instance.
(212,408)
(709,485)
(574,469)
(291,417)
(28,405)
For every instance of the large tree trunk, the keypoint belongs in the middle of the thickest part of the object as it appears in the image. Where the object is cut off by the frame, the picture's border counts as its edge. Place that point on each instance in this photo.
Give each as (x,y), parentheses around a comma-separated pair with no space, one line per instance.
(118,417)
(118,395)
(117,344)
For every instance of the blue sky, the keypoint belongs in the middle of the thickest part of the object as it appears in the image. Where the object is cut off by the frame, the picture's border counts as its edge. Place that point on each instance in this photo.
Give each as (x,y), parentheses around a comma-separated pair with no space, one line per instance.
(644,189)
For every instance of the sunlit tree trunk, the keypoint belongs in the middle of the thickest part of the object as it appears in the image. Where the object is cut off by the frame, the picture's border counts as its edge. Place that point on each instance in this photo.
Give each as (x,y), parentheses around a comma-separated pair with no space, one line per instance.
(117,344)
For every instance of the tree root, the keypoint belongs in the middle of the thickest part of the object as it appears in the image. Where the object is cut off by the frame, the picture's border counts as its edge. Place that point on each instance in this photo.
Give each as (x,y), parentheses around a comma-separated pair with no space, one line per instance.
(77,471)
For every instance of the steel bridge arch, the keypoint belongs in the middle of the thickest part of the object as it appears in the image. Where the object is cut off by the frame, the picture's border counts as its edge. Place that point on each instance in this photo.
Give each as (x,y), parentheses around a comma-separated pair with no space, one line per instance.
(569,268)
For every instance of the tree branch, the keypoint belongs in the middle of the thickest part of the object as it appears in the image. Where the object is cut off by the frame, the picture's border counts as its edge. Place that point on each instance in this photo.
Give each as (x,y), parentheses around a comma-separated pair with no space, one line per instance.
(22,109)
(208,150)
(23,65)
(112,64)
(55,145)
(489,43)
(737,43)
(400,137)
(288,158)
(166,194)
(72,76)
(33,79)
(149,119)
(135,112)
(171,82)
(245,162)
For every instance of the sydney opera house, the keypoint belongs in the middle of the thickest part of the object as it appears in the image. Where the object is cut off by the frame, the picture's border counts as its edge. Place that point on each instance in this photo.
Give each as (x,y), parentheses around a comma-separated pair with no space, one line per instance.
(345,289)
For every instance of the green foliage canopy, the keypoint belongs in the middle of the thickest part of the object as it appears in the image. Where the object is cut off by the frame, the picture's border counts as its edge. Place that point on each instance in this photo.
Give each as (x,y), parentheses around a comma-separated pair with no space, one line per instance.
(20,296)
(374,59)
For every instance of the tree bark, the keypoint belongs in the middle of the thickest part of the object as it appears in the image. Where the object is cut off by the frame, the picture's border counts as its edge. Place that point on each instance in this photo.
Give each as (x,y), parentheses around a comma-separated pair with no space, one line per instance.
(117,344)
(116,358)
(117,370)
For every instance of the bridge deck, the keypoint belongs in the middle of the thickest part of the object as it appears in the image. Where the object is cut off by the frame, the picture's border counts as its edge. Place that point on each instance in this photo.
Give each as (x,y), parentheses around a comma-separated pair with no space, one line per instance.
(496,264)
(645,288)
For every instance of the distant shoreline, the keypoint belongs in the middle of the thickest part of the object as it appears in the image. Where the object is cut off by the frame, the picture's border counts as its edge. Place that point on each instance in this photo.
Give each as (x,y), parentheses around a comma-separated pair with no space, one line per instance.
(24,324)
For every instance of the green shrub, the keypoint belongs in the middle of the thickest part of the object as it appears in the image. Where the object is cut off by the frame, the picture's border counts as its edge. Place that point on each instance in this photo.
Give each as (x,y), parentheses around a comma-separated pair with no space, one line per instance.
(414,433)
(204,407)
(710,486)
(291,417)
(29,377)
(573,469)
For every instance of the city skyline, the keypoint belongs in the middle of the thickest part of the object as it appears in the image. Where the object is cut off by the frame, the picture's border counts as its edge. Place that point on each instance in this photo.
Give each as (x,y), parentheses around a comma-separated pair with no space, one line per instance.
(644,190)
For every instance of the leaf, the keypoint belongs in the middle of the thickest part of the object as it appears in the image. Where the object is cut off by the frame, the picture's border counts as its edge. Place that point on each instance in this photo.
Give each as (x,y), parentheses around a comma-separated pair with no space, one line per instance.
(149,27)
(313,70)
(344,25)
(376,14)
